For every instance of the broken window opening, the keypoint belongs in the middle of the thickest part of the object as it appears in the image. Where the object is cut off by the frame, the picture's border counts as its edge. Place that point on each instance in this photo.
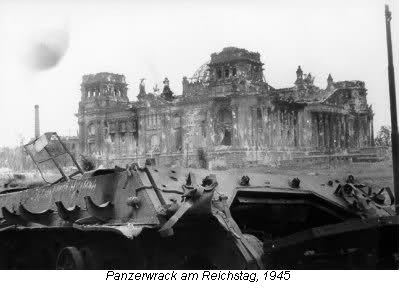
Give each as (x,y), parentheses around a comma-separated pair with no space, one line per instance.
(123,126)
(112,138)
(177,121)
(177,125)
(259,115)
(178,139)
(203,129)
(227,140)
(123,137)
(91,130)
(225,116)
(225,121)
(234,71)
(227,73)
(91,148)
(219,74)
(155,143)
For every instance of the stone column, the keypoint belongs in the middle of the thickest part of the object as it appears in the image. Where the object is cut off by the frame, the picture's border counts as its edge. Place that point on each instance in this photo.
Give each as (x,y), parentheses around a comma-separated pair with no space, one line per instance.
(98,136)
(117,139)
(296,121)
(283,128)
(292,128)
(286,128)
(268,127)
(346,129)
(289,128)
(368,131)
(330,145)
(363,131)
(235,125)
(164,131)
(327,132)
(372,132)
(279,128)
(82,136)
(275,129)
(314,129)
(264,124)
(129,143)
(306,129)
(351,125)
(342,132)
(142,119)
(254,132)
(338,131)
(356,132)
(321,131)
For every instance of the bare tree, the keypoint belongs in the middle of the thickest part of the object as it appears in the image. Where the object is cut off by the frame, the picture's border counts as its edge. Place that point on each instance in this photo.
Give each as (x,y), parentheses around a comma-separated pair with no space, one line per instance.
(383,138)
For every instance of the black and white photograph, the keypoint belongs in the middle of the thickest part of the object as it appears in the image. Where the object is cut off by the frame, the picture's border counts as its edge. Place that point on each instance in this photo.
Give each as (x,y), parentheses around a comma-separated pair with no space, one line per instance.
(199,135)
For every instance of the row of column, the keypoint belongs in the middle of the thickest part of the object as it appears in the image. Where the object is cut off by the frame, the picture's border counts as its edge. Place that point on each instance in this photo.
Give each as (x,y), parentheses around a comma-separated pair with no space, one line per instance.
(332,132)
(97,91)
(277,127)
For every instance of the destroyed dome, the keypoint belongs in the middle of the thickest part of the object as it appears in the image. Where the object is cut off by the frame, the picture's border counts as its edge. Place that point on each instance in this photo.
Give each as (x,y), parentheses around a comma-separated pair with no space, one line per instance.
(229,54)
(202,74)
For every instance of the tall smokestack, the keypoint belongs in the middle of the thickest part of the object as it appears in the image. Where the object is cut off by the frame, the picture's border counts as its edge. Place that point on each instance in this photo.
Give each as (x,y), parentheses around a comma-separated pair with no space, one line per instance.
(37,125)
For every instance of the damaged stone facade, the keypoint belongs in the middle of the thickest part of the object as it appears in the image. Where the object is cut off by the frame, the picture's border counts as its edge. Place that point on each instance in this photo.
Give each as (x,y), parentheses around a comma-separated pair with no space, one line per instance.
(226,116)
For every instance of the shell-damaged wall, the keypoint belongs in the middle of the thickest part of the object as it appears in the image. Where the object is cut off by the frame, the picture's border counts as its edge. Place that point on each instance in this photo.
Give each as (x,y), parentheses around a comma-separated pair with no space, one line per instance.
(227,116)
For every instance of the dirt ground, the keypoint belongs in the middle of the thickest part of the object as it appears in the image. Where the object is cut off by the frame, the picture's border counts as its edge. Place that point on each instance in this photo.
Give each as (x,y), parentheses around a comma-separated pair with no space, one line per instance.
(376,175)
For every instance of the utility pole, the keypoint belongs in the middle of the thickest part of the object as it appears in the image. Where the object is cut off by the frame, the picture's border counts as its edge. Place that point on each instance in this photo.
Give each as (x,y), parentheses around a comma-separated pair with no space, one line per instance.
(393,109)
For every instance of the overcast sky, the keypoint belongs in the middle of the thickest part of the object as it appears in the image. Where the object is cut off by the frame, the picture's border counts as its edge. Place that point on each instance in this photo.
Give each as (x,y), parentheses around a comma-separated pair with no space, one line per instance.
(157,39)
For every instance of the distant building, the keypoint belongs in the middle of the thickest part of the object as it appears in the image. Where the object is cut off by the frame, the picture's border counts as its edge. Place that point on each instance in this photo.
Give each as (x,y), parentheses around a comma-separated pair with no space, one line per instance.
(226,116)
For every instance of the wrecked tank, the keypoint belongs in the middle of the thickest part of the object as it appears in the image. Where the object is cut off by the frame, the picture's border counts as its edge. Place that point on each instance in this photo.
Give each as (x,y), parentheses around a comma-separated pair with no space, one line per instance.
(178,218)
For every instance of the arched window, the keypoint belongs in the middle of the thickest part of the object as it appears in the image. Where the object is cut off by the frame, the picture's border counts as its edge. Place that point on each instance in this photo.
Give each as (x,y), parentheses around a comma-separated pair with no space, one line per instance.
(225,116)
(155,143)
(219,73)
(259,118)
(91,147)
(91,130)
(177,125)
(177,121)
(123,126)
(225,126)
(227,73)
(203,128)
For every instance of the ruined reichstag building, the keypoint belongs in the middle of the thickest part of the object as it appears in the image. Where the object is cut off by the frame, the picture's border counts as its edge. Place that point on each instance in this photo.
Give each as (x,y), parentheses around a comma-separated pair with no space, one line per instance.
(226,116)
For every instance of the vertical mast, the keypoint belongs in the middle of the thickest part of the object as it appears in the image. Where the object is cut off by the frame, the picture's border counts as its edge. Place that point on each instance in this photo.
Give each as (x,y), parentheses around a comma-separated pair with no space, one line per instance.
(37,124)
(393,108)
